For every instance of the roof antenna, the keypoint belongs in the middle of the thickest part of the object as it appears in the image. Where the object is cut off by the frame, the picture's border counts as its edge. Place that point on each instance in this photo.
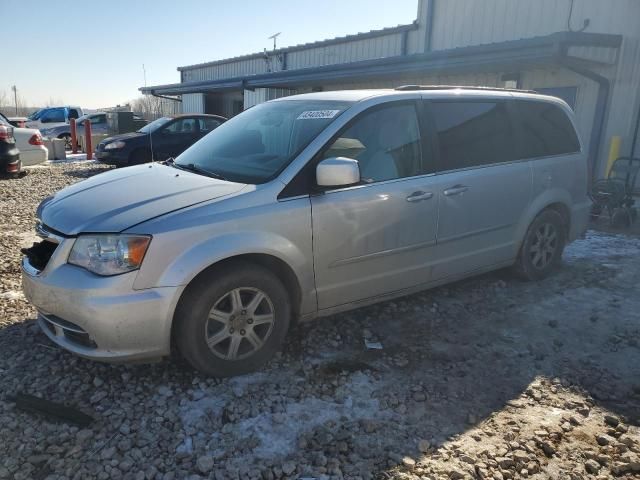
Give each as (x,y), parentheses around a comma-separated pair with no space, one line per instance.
(151,145)
(144,73)
(274,37)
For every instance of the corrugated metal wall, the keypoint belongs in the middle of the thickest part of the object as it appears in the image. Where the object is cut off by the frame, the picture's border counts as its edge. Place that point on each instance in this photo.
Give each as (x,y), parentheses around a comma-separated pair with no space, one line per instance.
(350,51)
(353,51)
(230,70)
(193,103)
(259,95)
(460,23)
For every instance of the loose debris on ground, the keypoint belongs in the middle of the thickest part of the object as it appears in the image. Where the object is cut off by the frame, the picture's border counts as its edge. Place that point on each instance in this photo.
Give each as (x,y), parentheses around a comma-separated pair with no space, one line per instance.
(489,378)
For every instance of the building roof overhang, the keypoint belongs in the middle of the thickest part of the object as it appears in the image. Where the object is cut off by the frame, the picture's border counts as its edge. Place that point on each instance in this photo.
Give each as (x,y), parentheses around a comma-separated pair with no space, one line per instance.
(513,54)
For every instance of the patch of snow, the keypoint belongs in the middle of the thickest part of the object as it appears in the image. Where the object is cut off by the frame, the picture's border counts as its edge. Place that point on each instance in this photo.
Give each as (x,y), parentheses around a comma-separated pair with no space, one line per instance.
(278,438)
(73,158)
(276,434)
(602,245)
(195,412)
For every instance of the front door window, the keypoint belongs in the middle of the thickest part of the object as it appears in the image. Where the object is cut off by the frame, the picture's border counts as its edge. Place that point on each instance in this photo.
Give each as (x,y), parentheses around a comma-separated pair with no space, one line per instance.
(385,141)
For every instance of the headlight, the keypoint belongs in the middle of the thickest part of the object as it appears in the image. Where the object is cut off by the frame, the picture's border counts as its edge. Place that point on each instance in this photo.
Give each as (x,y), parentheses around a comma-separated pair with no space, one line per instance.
(114,145)
(109,254)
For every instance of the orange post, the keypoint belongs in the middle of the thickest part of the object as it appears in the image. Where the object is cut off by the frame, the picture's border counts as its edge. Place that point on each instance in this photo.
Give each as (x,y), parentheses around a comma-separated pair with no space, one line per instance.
(74,136)
(87,139)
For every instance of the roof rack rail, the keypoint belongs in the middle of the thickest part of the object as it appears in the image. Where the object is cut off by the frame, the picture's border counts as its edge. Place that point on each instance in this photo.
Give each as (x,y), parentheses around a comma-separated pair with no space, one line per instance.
(404,88)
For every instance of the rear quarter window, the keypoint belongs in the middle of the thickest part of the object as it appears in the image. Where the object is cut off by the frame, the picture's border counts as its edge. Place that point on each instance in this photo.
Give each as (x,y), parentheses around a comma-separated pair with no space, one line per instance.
(545,130)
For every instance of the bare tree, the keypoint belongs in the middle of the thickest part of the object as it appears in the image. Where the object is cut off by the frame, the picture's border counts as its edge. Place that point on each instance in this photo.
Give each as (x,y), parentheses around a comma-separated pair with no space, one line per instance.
(151,107)
(53,102)
(8,104)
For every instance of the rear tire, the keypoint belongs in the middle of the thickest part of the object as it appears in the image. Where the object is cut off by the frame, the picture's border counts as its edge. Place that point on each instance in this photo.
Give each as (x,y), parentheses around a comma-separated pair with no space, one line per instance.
(542,248)
(232,319)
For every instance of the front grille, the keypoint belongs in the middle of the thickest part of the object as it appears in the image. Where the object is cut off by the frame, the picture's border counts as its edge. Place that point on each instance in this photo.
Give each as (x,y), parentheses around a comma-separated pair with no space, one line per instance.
(70,331)
(40,253)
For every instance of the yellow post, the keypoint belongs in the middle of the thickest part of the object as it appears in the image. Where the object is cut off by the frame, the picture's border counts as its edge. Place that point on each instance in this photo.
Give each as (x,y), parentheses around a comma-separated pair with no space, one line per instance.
(614,152)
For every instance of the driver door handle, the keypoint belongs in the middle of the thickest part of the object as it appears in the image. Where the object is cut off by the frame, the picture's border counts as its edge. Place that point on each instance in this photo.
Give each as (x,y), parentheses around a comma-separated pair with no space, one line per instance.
(419,195)
(455,190)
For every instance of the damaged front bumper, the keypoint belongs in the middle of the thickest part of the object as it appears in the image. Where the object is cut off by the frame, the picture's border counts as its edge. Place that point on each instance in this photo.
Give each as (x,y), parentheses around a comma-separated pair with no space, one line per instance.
(101,318)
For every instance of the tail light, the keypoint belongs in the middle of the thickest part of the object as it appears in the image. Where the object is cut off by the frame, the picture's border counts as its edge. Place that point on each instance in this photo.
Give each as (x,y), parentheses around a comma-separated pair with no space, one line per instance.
(6,133)
(36,139)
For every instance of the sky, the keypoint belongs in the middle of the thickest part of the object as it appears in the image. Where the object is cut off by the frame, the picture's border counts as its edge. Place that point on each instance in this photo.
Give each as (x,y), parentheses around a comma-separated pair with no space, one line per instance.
(90,53)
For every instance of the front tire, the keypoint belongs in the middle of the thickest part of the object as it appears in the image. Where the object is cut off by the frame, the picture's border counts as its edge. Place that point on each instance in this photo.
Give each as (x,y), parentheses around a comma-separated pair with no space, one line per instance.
(232,319)
(542,248)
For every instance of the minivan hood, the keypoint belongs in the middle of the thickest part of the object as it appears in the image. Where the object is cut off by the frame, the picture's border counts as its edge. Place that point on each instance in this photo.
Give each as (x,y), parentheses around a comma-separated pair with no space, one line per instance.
(119,199)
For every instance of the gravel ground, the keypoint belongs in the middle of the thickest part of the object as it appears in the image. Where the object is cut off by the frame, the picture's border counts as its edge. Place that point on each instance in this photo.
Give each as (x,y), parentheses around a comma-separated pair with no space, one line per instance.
(486,378)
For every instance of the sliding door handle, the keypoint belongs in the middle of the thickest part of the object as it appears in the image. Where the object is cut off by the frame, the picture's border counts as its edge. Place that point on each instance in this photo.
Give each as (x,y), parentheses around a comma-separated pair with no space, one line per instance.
(419,196)
(455,190)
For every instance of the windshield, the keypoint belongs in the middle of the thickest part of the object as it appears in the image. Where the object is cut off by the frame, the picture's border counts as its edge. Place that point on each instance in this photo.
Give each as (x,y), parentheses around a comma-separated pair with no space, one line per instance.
(257,144)
(4,120)
(35,115)
(156,124)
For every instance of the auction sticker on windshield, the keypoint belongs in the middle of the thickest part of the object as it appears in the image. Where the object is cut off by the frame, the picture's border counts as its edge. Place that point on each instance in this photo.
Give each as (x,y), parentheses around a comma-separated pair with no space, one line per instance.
(313,114)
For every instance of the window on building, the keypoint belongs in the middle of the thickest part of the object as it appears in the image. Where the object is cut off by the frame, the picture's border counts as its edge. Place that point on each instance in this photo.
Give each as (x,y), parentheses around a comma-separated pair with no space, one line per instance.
(385,141)
(472,134)
(546,130)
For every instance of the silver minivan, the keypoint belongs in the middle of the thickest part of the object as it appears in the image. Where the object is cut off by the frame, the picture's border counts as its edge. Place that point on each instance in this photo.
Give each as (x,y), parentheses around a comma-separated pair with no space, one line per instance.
(303,207)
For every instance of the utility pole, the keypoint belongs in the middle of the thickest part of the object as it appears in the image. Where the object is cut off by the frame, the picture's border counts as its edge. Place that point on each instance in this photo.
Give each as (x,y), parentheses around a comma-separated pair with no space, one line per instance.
(144,73)
(15,97)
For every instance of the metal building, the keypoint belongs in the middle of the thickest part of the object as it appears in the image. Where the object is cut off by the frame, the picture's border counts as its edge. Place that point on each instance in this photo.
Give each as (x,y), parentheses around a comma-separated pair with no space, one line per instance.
(584,51)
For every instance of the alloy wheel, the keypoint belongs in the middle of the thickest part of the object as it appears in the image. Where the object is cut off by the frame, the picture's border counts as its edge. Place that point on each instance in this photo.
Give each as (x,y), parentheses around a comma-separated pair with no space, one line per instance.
(239,323)
(544,245)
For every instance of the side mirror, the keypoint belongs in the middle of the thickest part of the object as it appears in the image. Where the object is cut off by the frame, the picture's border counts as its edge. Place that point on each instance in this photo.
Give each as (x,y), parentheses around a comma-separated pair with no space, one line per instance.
(337,172)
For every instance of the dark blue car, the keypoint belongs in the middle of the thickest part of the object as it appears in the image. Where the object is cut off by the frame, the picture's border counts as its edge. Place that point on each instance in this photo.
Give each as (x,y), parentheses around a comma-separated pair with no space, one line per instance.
(169,136)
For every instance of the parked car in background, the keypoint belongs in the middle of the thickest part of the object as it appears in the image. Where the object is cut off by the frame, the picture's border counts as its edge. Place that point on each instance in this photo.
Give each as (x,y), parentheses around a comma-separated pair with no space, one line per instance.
(52,116)
(29,142)
(169,137)
(9,153)
(266,219)
(98,126)
(20,122)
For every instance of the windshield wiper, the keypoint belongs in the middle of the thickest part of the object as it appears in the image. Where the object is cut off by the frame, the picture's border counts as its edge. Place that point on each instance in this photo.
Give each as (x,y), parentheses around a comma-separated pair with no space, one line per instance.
(192,167)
